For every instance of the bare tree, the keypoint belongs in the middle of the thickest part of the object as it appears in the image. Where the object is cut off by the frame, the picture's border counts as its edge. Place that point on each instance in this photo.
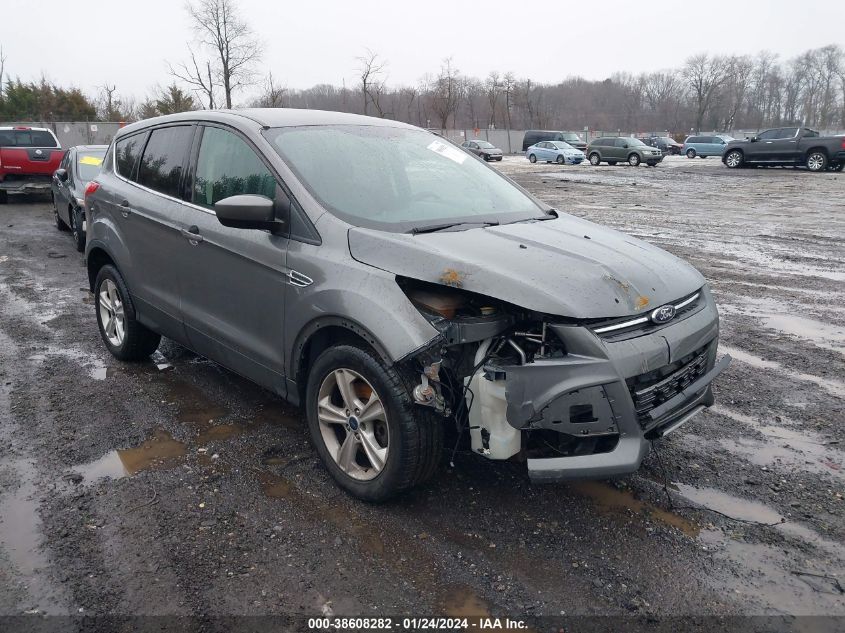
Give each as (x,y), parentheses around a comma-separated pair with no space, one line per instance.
(231,41)
(704,75)
(2,70)
(446,92)
(493,86)
(273,96)
(371,70)
(200,76)
(508,87)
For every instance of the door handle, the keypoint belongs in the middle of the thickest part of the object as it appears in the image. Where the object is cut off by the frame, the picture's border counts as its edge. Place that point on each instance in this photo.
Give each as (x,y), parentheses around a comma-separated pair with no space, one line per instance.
(192,234)
(124,209)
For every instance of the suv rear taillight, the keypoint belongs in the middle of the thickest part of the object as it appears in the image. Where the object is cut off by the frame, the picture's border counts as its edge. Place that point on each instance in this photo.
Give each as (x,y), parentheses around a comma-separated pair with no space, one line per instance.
(91,187)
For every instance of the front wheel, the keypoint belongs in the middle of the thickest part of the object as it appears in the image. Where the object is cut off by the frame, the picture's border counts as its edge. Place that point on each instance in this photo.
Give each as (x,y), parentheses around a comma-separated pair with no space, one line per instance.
(817,161)
(595,159)
(486,158)
(374,441)
(634,160)
(690,153)
(60,224)
(559,160)
(532,158)
(123,335)
(734,159)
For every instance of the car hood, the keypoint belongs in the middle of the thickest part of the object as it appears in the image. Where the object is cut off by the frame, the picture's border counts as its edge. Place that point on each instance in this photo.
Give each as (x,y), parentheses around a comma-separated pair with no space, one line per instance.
(492,150)
(567,266)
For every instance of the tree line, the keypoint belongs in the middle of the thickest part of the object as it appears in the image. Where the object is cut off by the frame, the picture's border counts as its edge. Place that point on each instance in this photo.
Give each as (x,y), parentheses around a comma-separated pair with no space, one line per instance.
(708,92)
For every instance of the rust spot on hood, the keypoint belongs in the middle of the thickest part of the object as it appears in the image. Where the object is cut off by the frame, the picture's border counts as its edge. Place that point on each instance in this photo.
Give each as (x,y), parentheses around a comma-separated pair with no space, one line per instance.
(452,277)
(641,302)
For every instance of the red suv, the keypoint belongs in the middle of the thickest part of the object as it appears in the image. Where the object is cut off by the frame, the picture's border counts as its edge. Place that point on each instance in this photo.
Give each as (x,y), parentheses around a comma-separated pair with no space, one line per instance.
(28,158)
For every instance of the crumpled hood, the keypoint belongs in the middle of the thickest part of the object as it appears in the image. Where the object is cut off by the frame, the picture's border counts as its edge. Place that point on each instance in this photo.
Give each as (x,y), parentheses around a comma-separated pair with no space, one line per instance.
(567,266)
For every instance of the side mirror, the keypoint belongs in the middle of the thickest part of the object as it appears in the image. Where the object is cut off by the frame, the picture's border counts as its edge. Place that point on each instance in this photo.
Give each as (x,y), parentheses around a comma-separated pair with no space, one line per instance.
(61,174)
(249,211)
(625,146)
(753,139)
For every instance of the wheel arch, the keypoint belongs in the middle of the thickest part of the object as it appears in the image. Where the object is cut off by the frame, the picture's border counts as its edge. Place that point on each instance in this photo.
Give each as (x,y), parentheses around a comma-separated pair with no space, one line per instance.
(96,258)
(817,148)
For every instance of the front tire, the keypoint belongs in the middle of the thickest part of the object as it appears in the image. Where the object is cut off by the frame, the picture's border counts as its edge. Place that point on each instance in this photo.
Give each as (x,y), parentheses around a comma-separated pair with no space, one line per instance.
(734,159)
(123,335)
(78,231)
(60,224)
(532,158)
(595,159)
(817,161)
(374,441)
(560,160)
(634,160)
(690,153)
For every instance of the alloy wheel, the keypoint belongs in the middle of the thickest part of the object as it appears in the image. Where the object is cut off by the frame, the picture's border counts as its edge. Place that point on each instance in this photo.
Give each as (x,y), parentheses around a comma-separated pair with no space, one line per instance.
(733,159)
(816,161)
(112,315)
(353,424)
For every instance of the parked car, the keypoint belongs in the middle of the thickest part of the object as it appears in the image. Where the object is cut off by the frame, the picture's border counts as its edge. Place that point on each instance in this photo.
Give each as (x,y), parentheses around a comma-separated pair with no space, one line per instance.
(485,150)
(370,272)
(28,158)
(665,144)
(788,146)
(554,151)
(535,136)
(79,166)
(622,149)
(704,146)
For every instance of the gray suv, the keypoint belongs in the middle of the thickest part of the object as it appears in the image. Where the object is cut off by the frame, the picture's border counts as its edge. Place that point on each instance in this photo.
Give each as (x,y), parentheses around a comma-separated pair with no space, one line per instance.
(394,287)
(622,149)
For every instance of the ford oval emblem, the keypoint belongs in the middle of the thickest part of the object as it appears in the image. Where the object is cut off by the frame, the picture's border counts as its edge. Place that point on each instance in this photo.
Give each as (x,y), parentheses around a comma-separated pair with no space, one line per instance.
(663,314)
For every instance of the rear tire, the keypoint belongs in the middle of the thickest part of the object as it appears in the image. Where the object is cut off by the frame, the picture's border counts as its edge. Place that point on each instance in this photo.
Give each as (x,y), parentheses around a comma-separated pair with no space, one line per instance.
(4,196)
(78,231)
(612,163)
(532,158)
(837,167)
(690,153)
(634,160)
(595,159)
(123,335)
(734,159)
(817,161)
(410,436)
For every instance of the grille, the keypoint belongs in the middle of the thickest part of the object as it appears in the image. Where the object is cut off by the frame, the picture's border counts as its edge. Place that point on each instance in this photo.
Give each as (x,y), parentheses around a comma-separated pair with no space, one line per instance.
(630,327)
(648,391)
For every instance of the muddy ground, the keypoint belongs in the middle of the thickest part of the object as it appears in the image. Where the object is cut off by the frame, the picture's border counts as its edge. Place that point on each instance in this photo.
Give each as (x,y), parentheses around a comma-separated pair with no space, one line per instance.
(174,487)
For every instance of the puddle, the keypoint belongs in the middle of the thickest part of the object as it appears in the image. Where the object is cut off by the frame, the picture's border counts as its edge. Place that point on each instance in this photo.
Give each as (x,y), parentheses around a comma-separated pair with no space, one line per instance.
(463,602)
(833,387)
(736,507)
(160,451)
(219,433)
(609,498)
(20,541)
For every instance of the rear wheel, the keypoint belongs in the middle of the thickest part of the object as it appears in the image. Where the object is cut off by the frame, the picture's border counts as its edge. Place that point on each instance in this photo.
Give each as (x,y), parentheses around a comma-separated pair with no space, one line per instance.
(374,441)
(837,167)
(78,230)
(4,197)
(817,161)
(734,159)
(595,159)
(532,158)
(123,335)
(690,153)
(559,160)
(634,160)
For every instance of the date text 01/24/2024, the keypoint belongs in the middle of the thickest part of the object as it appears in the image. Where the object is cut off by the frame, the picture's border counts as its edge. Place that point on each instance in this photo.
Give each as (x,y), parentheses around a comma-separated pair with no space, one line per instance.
(480,623)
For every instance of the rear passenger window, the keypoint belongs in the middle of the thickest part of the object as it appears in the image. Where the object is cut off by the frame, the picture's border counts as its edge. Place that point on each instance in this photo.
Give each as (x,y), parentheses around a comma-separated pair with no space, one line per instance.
(227,166)
(127,151)
(163,160)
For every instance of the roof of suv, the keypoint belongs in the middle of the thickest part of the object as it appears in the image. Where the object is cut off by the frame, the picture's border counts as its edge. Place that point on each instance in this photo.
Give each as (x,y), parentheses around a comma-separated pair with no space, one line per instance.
(269,117)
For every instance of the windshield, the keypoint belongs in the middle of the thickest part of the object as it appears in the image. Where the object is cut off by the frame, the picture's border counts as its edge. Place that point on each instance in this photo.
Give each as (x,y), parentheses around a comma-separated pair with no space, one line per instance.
(89,163)
(572,137)
(484,144)
(562,145)
(635,142)
(397,179)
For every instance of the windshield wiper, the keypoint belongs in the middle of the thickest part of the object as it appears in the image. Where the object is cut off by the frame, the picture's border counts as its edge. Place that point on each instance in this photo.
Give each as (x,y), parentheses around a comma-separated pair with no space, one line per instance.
(441,227)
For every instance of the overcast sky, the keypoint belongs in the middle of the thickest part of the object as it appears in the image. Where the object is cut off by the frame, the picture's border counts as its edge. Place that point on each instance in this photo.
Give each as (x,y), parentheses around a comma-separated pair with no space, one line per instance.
(91,42)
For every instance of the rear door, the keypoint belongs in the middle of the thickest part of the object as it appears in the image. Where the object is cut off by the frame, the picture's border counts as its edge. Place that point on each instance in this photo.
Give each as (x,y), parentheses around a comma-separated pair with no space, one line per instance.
(233,280)
(150,213)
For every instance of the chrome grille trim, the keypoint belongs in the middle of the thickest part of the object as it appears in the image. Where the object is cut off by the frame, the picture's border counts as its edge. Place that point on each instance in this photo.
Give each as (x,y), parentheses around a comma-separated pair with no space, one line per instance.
(640,320)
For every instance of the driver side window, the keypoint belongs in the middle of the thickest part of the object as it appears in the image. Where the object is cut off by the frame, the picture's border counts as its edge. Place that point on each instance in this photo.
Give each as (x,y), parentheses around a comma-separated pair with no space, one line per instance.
(227,166)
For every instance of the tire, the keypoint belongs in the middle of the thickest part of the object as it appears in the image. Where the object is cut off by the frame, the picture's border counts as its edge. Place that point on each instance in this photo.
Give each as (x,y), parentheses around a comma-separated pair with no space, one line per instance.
(4,196)
(560,160)
(837,167)
(634,160)
(532,158)
(816,161)
(734,159)
(690,153)
(78,231)
(137,342)
(595,159)
(60,224)
(410,436)
(486,158)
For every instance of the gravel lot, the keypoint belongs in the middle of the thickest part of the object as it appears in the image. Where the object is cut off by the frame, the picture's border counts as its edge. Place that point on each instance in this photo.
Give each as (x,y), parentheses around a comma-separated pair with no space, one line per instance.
(176,487)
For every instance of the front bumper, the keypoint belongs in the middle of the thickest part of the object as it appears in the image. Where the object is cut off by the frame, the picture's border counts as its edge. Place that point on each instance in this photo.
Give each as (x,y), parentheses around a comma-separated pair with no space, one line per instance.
(598,378)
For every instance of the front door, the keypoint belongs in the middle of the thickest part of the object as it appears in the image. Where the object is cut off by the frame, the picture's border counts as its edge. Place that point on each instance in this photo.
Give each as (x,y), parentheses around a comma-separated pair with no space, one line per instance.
(233,280)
